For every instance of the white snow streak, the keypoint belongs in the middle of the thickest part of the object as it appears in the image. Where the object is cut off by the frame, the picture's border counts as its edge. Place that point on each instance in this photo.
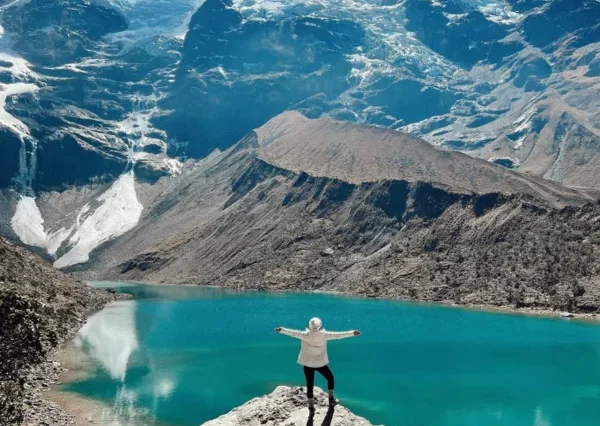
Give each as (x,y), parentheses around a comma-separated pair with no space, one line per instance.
(28,224)
(119,212)
(496,10)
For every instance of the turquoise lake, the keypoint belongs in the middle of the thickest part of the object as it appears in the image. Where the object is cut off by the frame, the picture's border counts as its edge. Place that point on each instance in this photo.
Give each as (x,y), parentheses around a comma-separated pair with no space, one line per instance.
(179,356)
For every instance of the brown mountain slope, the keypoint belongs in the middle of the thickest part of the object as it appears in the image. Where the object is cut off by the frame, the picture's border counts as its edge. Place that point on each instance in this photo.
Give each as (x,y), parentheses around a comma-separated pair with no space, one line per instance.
(357,154)
(238,220)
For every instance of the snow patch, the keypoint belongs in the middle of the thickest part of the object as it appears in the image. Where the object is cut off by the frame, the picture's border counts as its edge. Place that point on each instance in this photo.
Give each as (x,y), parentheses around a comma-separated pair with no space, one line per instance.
(7,120)
(13,4)
(19,67)
(150,18)
(119,212)
(138,127)
(173,165)
(523,126)
(28,224)
(87,66)
(498,11)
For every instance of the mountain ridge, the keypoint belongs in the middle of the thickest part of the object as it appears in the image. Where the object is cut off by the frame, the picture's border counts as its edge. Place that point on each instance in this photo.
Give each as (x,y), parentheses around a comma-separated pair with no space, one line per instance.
(356,153)
(239,221)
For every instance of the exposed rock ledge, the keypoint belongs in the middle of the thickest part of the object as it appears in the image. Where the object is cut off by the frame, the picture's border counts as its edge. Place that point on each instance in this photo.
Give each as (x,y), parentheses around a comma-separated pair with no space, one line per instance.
(286,406)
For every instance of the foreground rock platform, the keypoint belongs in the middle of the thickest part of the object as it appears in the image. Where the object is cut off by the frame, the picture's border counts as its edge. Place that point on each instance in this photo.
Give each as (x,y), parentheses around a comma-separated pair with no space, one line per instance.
(286,406)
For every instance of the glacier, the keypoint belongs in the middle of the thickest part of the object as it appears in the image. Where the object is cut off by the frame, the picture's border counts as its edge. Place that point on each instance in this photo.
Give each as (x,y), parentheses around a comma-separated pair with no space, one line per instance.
(119,212)
(28,224)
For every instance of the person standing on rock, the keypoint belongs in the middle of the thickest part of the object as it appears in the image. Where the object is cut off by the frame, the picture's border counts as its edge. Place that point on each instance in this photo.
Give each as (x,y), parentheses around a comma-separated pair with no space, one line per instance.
(313,355)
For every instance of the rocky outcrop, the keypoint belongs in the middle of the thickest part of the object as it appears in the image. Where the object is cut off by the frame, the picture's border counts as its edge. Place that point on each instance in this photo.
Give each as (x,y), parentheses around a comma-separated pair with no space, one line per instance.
(357,154)
(69,27)
(40,308)
(287,406)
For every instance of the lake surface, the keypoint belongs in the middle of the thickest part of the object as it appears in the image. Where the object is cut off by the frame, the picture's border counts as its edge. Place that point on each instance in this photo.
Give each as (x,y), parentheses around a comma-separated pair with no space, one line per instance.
(182,355)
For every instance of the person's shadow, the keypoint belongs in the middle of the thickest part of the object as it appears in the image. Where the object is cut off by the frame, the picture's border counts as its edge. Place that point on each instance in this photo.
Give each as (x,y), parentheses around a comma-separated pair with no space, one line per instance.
(326,420)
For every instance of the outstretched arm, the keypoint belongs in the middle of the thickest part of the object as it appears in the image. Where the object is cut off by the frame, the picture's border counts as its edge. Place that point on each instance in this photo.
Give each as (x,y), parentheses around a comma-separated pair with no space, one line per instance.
(336,335)
(292,333)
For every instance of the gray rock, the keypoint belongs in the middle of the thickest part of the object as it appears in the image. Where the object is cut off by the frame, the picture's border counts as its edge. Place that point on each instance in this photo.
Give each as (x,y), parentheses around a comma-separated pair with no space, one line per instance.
(287,406)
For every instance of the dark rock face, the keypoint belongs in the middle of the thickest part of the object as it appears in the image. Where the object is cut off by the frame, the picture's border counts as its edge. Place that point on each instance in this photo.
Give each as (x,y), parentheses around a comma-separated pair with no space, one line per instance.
(10,146)
(581,17)
(147,171)
(69,26)
(533,68)
(411,100)
(505,162)
(286,62)
(526,5)
(66,162)
(466,40)
(572,145)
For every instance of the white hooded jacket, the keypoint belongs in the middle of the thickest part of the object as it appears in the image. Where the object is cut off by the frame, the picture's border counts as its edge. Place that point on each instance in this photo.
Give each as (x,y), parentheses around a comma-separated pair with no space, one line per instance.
(313,349)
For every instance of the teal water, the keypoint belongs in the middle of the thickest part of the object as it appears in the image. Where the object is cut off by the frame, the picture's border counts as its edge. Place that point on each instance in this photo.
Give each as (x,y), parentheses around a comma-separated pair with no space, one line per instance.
(184,355)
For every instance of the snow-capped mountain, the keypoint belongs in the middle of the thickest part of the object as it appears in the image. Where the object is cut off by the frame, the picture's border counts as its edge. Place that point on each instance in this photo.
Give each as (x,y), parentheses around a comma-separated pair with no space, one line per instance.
(100,99)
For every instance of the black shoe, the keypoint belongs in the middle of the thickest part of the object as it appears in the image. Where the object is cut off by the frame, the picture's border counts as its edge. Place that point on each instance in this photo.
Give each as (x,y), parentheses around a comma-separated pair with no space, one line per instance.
(333,402)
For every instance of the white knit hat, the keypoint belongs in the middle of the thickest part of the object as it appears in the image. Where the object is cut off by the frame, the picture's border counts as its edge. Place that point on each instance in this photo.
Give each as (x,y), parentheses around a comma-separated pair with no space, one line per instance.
(315,324)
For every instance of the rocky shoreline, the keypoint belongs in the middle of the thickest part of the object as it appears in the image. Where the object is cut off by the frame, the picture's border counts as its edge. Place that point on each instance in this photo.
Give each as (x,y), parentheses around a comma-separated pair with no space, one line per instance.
(40,410)
(41,308)
(43,407)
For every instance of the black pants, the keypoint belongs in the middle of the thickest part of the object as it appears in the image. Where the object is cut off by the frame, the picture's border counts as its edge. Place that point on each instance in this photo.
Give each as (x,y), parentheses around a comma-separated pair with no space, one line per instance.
(309,373)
